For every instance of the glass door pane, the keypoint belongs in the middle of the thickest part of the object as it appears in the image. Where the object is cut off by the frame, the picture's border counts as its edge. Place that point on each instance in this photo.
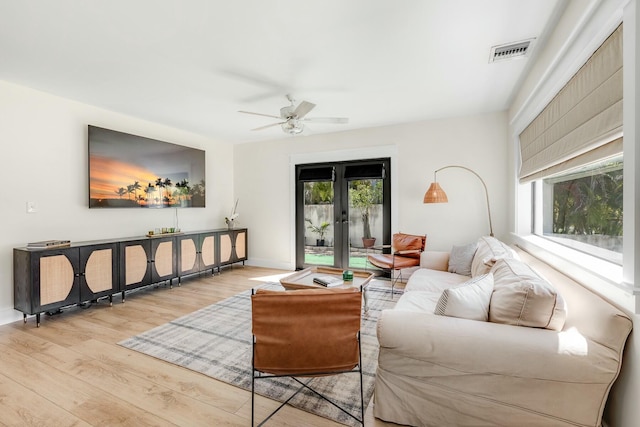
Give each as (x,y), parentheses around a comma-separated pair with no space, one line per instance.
(366,215)
(337,204)
(319,238)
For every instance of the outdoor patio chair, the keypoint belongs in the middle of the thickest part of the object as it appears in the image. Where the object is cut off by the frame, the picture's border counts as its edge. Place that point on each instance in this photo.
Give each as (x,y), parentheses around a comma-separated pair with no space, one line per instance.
(304,334)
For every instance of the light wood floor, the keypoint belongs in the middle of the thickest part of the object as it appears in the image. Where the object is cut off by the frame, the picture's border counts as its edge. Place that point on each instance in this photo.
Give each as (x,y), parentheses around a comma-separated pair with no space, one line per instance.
(71,372)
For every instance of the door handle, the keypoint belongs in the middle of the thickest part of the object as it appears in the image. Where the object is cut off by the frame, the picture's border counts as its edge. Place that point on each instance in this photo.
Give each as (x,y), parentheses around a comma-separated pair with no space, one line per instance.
(344,218)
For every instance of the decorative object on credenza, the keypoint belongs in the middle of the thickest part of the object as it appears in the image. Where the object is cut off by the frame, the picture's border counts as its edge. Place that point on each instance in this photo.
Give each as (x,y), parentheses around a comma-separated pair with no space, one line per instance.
(435,193)
(163,232)
(44,244)
(231,219)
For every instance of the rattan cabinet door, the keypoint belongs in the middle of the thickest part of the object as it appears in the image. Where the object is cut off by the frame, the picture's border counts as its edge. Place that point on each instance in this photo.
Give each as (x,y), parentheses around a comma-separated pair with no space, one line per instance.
(163,261)
(45,280)
(240,246)
(233,246)
(135,264)
(98,271)
(188,247)
(208,251)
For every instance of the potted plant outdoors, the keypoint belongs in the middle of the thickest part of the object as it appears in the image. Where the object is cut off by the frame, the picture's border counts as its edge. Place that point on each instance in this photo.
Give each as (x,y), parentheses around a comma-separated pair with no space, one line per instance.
(365,194)
(320,230)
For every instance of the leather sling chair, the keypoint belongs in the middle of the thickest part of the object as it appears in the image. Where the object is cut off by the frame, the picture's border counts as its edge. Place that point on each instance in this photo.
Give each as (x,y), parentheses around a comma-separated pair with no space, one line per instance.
(304,334)
(405,252)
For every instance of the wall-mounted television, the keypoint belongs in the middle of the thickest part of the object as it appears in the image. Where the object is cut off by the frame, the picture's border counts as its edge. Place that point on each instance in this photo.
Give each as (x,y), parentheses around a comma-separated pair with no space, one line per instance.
(130,171)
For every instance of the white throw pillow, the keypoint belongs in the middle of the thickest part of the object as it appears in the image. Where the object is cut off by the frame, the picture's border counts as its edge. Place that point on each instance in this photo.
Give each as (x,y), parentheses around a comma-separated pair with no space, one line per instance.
(469,300)
(488,252)
(461,257)
(522,297)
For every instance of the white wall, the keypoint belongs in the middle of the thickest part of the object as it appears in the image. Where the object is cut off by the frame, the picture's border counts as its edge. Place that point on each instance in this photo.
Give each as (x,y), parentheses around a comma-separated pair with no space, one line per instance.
(262,172)
(44,160)
(582,28)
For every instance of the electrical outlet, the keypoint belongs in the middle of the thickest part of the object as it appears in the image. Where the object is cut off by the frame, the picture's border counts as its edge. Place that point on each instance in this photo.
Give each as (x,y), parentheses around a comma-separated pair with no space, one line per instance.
(32,207)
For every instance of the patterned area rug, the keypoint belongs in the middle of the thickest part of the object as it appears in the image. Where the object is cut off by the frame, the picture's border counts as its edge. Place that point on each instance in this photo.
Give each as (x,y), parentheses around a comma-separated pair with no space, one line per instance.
(216,341)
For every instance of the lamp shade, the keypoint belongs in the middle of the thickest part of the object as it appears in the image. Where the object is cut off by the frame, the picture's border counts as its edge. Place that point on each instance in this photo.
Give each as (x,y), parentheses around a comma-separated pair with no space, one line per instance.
(435,194)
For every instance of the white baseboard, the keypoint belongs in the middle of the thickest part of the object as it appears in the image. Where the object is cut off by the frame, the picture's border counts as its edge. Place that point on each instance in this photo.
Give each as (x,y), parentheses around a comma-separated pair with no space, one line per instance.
(9,315)
(270,264)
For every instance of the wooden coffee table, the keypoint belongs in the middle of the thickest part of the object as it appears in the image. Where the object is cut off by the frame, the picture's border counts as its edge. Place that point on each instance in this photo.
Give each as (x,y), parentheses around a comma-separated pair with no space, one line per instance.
(303,279)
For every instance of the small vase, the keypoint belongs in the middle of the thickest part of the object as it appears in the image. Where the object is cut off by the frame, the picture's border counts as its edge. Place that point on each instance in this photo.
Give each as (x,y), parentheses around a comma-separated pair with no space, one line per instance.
(230,225)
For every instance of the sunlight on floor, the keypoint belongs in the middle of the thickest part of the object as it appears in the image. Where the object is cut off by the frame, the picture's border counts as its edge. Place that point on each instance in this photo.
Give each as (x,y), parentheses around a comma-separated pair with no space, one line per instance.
(272,278)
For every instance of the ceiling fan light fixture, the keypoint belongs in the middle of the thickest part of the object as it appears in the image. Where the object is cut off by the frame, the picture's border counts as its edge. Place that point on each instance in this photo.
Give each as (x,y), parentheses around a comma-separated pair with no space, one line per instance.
(292,127)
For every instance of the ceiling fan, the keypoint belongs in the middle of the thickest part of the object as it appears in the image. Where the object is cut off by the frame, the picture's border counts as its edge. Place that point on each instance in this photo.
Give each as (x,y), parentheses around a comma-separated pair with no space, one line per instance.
(292,117)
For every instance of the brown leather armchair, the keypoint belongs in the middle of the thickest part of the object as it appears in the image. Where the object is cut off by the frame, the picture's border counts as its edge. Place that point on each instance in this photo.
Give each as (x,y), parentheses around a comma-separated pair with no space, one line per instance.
(306,333)
(405,252)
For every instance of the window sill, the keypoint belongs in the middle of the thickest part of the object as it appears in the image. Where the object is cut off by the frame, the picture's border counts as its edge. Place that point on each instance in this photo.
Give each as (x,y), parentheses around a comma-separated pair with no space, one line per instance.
(594,273)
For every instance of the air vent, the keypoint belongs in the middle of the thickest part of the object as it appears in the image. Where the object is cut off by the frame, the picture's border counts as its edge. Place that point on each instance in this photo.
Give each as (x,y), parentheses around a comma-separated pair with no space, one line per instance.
(511,50)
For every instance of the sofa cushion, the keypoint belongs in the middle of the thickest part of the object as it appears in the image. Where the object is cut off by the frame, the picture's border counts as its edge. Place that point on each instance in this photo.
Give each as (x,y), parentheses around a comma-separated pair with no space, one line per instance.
(521,297)
(426,280)
(489,250)
(420,302)
(461,257)
(435,260)
(469,300)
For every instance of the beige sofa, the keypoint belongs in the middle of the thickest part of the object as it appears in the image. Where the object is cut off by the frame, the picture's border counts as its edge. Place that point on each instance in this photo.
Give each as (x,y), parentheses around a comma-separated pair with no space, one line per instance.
(441,370)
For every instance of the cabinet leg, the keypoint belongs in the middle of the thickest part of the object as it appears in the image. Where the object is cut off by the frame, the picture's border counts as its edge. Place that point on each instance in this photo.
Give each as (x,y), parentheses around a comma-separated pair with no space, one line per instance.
(38,320)
(123,297)
(24,317)
(110,300)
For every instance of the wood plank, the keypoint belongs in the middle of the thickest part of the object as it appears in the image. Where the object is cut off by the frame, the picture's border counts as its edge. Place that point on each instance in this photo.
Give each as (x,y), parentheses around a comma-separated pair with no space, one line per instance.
(17,409)
(71,371)
(47,388)
(185,381)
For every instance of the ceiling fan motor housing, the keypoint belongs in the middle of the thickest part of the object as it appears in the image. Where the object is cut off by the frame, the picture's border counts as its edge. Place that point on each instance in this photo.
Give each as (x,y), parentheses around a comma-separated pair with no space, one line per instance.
(286,112)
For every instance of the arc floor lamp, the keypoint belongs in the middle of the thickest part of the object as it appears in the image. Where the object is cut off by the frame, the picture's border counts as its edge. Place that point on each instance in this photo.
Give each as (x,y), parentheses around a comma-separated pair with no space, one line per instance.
(435,193)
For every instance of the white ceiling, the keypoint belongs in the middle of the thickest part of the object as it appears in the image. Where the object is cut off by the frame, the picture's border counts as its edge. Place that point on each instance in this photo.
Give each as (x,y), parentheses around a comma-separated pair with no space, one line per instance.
(192,64)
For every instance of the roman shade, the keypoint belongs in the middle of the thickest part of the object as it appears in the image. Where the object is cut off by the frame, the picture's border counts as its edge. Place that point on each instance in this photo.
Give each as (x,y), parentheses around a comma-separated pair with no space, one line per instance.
(584,116)
(323,173)
(364,171)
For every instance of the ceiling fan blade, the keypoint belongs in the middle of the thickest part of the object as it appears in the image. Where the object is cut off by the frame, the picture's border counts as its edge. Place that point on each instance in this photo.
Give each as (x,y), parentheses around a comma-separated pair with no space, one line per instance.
(260,114)
(327,120)
(303,109)
(268,126)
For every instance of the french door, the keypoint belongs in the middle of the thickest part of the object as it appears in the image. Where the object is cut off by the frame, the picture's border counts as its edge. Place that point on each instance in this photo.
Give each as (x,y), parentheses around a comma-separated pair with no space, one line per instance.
(342,208)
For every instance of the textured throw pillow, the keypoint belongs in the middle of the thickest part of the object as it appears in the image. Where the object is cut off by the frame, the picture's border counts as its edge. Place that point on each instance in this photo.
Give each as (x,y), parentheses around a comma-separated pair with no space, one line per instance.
(521,297)
(469,300)
(461,257)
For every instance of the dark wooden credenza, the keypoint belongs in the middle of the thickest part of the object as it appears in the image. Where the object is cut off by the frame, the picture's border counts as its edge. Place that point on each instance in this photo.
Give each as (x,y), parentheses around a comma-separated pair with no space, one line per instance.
(45,280)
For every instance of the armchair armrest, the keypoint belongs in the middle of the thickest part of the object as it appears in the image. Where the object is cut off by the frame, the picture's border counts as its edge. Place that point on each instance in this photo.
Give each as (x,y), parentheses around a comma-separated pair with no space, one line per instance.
(435,260)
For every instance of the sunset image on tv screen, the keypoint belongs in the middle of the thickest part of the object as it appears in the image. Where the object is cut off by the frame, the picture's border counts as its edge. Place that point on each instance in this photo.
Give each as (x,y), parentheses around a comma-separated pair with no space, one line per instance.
(132,171)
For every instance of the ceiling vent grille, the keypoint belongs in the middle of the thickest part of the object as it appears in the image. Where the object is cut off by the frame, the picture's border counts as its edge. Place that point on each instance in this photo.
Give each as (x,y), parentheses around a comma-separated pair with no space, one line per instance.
(511,50)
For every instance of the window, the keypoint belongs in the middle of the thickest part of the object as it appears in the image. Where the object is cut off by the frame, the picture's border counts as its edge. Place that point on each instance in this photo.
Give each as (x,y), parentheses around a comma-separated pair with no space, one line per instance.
(582,208)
